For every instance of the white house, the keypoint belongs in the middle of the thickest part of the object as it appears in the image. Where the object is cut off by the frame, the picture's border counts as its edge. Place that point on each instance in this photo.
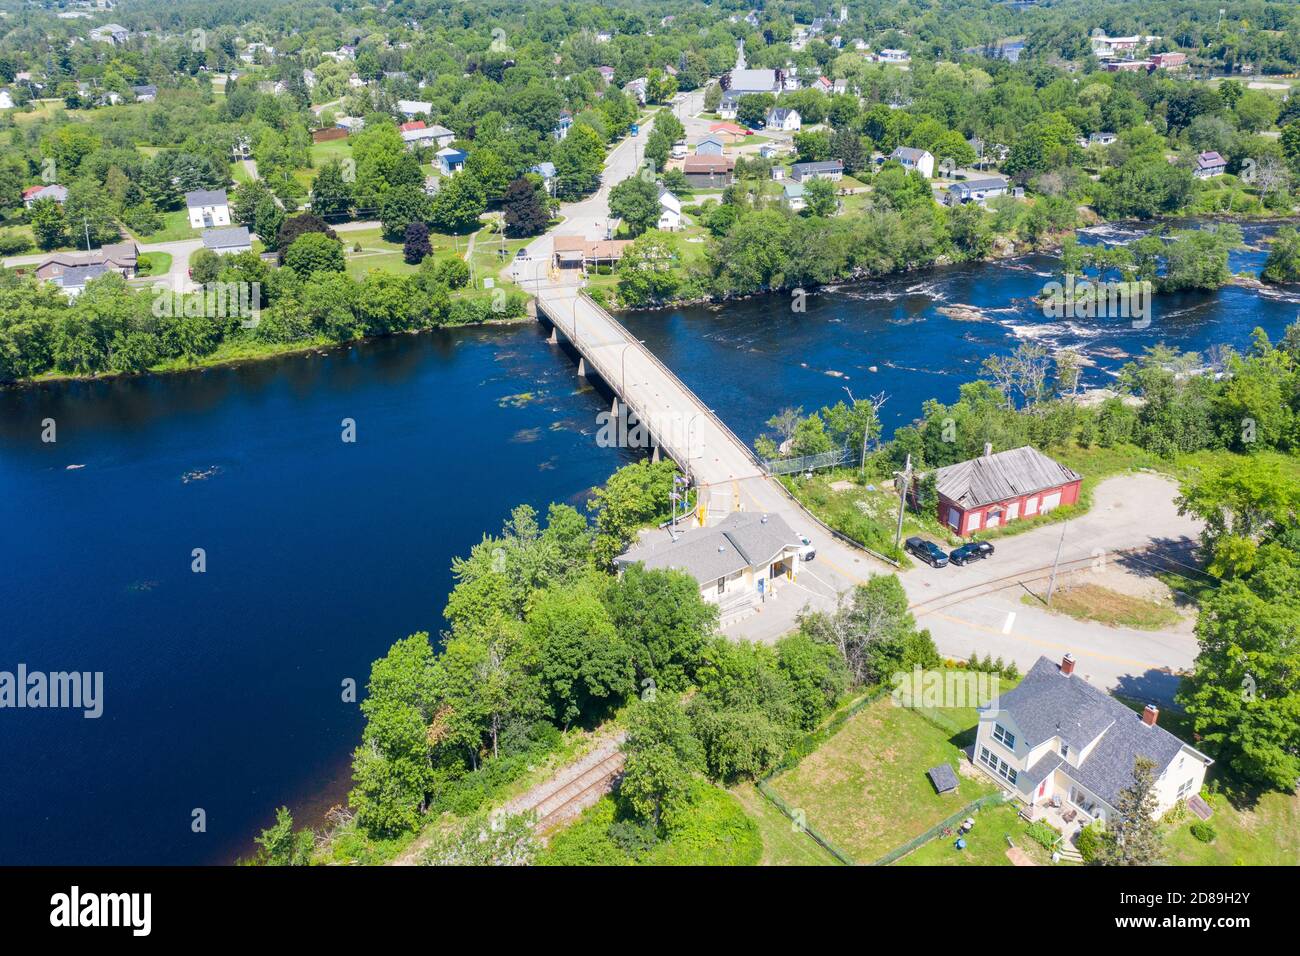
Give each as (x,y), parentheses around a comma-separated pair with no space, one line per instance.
(792,194)
(785,119)
(113,33)
(228,241)
(207,208)
(53,191)
(918,160)
(1209,164)
(1067,749)
(670,211)
(548,173)
(975,190)
(421,135)
(739,562)
(145,93)
(638,89)
(832,169)
(893,56)
(6,100)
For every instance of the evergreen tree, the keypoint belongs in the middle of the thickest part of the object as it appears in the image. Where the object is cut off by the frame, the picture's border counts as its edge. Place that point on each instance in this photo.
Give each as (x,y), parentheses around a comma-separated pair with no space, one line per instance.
(1134,838)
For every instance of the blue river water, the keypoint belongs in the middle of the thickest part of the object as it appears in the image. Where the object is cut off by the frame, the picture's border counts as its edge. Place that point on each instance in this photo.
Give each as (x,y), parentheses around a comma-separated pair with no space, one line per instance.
(222,689)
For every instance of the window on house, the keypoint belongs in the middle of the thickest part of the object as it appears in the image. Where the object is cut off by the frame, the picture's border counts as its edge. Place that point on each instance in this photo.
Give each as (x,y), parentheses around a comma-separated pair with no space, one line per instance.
(722,585)
(1004,737)
(1182,791)
(1065,749)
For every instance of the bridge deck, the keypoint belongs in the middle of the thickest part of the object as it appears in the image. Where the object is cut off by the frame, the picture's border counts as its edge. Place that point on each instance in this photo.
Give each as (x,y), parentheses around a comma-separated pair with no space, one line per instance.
(682,425)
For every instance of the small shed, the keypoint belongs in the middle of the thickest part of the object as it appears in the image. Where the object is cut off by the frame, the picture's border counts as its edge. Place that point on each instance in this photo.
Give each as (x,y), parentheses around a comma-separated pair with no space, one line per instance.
(943,778)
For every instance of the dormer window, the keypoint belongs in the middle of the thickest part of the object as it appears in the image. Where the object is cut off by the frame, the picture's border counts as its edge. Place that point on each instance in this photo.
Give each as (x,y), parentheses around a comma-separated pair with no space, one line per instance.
(1004,737)
(1065,749)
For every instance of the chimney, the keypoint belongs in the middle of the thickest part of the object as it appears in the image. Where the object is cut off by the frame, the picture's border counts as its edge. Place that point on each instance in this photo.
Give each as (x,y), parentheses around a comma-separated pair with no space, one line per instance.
(1149,714)
(1067,665)
(988,448)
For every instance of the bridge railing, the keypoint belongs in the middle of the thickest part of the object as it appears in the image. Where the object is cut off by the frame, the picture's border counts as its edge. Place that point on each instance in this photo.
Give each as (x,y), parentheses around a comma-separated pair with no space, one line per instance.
(827,459)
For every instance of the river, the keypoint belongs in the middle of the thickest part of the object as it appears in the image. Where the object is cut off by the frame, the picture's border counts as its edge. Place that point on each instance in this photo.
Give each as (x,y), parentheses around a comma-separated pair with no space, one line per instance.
(222,689)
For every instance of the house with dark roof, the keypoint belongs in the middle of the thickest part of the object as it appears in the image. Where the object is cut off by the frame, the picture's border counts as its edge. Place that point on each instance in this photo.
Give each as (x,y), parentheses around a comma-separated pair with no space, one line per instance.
(832,169)
(739,562)
(1067,749)
(704,172)
(993,490)
(976,190)
(122,257)
(785,119)
(74,278)
(207,208)
(912,159)
(229,241)
(33,194)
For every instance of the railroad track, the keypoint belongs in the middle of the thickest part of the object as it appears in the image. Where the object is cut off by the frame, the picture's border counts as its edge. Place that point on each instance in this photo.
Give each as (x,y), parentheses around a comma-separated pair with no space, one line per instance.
(574,788)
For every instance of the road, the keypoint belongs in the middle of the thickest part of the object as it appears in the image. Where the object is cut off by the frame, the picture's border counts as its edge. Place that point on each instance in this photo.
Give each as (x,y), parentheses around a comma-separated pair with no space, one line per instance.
(1130,512)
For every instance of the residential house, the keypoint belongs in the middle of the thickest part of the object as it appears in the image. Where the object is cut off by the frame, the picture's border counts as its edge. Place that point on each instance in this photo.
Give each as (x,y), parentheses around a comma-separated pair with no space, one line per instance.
(356,82)
(6,100)
(349,123)
(113,33)
(821,85)
(729,132)
(207,208)
(146,93)
(121,257)
(53,191)
(413,108)
(832,169)
(1067,749)
(564,124)
(785,119)
(670,211)
(893,56)
(450,161)
(768,151)
(1209,164)
(840,86)
(915,160)
(575,252)
(604,36)
(638,89)
(548,174)
(1098,139)
(792,194)
(436,136)
(606,74)
(705,172)
(976,190)
(73,279)
(709,146)
(228,241)
(738,563)
(996,489)
(309,79)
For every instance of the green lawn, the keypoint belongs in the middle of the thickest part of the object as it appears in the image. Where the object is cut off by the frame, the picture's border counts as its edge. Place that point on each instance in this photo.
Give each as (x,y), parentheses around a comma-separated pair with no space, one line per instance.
(378,253)
(986,844)
(1260,832)
(322,153)
(175,227)
(155,263)
(782,844)
(865,788)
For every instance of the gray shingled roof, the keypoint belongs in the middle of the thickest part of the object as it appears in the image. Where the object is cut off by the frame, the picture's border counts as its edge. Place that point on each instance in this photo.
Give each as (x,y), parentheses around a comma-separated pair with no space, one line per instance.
(752,81)
(907,152)
(943,778)
(206,197)
(741,540)
(230,238)
(77,276)
(1048,703)
(822,166)
(1007,474)
(975,185)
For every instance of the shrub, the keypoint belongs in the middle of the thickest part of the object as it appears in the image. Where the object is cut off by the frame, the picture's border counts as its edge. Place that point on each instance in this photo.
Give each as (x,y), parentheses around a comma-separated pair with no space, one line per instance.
(13,243)
(1042,834)
(1090,841)
(1204,831)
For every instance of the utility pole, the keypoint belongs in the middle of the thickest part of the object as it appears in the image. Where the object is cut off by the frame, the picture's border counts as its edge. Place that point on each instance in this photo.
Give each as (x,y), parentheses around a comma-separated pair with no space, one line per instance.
(86,224)
(1051,585)
(902,500)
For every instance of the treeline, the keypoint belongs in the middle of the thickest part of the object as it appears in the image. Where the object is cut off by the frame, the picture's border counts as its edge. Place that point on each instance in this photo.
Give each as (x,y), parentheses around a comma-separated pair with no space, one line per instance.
(113,328)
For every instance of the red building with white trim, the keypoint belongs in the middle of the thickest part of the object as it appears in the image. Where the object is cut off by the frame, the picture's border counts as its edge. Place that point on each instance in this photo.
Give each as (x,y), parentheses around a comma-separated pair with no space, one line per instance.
(991,490)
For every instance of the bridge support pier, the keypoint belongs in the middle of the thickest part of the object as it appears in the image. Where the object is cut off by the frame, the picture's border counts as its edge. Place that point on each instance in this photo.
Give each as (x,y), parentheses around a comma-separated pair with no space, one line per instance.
(554,338)
(654,456)
(582,367)
(614,410)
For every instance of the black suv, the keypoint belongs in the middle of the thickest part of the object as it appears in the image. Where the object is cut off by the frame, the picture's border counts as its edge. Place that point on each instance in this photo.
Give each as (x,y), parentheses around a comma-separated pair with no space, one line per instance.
(927,551)
(974,551)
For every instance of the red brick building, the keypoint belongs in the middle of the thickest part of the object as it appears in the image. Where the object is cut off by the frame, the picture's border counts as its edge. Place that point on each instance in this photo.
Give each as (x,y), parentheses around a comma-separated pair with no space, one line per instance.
(991,490)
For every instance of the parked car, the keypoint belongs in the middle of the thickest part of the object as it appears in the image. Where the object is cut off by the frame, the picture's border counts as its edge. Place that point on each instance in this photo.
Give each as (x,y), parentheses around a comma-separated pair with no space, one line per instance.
(927,551)
(807,552)
(971,551)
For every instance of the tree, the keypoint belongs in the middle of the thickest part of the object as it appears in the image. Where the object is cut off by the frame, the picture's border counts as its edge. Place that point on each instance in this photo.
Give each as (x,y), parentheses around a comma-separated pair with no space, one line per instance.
(402,206)
(751,109)
(584,664)
(331,193)
(636,201)
(634,496)
(392,768)
(665,621)
(416,243)
(661,754)
(267,220)
(301,225)
(281,845)
(508,840)
(819,198)
(458,204)
(647,273)
(1133,838)
(49,227)
(1283,264)
(847,146)
(579,160)
(657,148)
(315,252)
(526,212)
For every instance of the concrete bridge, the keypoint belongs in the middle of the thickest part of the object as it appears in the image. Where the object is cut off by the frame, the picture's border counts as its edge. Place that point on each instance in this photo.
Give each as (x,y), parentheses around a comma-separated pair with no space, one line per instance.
(652,407)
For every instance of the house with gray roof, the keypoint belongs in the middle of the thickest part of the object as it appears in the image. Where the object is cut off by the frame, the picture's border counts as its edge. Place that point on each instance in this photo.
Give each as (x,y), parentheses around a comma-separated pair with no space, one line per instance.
(976,190)
(74,278)
(1067,749)
(994,489)
(207,208)
(225,242)
(912,159)
(832,169)
(739,562)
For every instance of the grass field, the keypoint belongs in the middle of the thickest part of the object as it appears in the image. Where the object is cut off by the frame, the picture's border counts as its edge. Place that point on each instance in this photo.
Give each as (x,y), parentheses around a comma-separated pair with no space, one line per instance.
(175,227)
(865,788)
(322,153)
(986,843)
(1259,832)
(782,844)
(1092,602)
(378,253)
(155,263)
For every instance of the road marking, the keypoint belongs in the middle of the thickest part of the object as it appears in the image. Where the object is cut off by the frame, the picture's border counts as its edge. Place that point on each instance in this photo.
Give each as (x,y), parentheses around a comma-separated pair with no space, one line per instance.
(1011,619)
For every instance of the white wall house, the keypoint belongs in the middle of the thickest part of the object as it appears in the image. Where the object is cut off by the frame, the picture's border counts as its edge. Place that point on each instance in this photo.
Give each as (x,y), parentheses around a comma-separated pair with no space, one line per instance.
(784,119)
(1067,749)
(670,211)
(228,241)
(915,160)
(207,208)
